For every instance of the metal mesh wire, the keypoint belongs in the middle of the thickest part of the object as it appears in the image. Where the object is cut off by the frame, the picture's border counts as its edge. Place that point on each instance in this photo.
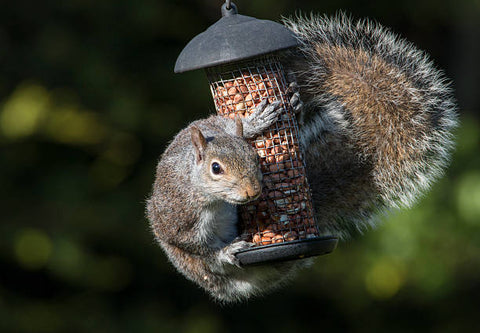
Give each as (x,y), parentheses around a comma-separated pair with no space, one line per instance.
(284,210)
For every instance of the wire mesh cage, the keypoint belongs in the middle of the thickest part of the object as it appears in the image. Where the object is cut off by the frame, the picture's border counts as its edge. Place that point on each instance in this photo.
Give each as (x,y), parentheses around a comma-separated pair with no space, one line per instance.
(284,211)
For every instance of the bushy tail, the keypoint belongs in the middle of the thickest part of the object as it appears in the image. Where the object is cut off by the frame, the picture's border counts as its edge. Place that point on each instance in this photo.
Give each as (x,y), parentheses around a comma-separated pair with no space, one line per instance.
(389,109)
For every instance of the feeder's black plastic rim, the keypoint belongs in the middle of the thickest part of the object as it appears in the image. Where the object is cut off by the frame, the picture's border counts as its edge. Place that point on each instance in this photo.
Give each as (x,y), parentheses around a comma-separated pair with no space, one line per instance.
(294,250)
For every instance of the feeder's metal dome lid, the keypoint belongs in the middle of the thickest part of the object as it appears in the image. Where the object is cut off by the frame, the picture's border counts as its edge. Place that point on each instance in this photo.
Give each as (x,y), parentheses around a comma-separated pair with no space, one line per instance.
(232,38)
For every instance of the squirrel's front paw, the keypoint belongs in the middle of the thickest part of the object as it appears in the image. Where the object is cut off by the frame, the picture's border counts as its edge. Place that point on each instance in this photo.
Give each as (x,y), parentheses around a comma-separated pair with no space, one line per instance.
(228,252)
(262,117)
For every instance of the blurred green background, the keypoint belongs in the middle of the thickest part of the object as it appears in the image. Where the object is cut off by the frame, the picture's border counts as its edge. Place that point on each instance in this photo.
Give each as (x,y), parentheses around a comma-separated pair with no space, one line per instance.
(88,101)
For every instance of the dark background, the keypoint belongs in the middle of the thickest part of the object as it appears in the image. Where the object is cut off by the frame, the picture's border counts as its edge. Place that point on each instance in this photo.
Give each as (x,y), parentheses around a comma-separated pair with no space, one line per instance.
(88,101)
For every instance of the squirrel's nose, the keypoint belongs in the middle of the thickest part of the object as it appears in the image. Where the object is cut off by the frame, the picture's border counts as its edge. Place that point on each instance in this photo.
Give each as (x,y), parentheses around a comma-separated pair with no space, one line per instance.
(253,191)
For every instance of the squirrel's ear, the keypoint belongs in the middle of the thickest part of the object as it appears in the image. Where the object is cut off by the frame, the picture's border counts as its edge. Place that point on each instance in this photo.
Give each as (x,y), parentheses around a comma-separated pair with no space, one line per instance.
(239,127)
(199,143)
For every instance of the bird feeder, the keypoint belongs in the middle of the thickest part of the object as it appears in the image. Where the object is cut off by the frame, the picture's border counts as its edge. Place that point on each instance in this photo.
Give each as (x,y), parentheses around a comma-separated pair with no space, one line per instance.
(241,57)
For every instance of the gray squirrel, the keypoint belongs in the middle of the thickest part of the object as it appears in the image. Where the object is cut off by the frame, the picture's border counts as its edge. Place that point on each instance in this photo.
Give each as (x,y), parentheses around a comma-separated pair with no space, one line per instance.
(204,173)
(376,121)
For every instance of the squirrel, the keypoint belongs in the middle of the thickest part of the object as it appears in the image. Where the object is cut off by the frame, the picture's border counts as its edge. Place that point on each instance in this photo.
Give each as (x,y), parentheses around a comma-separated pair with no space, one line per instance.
(206,171)
(375,122)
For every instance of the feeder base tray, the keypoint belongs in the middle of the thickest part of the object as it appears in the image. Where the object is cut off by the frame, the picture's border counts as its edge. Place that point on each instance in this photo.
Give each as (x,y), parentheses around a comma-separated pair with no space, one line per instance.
(287,251)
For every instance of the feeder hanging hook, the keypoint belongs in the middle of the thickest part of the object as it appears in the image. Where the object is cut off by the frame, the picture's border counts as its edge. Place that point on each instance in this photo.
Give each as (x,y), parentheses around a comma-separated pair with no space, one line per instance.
(229,8)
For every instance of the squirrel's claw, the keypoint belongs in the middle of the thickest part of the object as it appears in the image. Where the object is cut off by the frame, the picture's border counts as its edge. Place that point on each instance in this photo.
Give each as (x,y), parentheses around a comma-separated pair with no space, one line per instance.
(270,113)
(228,252)
(292,88)
(293,91)
(263,116)
(296,103)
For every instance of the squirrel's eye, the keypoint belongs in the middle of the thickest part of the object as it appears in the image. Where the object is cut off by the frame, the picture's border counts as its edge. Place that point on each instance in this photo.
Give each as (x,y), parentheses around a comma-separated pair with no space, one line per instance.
(216,168)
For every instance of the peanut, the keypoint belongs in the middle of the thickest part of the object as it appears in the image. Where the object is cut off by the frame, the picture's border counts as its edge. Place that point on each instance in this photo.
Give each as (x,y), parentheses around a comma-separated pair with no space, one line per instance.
(277,239)
(261,152)
(271,159)
(239,107)
(266,240)
(232,91)
(268,233)
(257,238)
(260,144)
(237,98)
(243,89)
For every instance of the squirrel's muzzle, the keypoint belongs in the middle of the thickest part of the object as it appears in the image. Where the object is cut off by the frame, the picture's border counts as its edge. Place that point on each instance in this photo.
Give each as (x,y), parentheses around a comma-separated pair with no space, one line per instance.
(252,194)
(252,190)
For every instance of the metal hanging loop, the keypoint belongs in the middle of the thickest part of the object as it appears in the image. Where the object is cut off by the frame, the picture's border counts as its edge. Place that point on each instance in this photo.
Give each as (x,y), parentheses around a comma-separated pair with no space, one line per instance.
(229,8)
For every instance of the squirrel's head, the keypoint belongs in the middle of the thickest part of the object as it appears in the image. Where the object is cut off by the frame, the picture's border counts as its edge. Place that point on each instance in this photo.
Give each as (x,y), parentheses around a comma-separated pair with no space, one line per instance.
(227,166)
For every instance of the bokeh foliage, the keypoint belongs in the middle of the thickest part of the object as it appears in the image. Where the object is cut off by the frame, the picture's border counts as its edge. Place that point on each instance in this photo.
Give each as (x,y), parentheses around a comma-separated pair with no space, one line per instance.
(88,101)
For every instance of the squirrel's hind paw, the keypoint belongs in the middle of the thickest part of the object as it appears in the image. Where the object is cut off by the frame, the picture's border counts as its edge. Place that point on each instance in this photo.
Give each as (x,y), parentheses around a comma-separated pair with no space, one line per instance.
(292,88)
(293,91)
(296,103)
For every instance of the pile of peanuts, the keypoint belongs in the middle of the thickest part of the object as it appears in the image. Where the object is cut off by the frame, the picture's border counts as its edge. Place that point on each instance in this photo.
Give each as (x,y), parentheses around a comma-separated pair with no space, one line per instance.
(238,97)
(283,212)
